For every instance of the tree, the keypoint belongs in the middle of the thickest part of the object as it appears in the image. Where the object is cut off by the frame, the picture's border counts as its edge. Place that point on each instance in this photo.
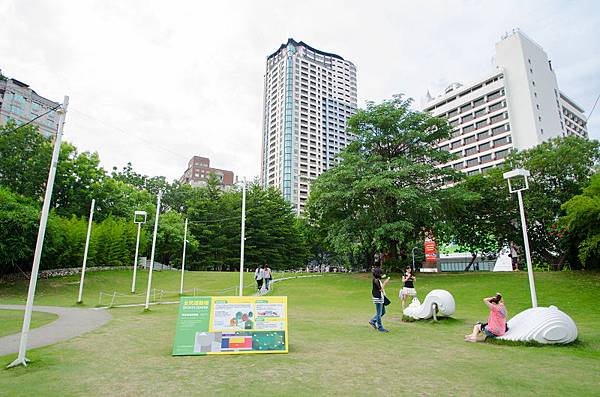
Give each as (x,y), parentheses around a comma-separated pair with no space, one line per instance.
(19,221)
(24,160)
(582,222)
(169,238)
(560,168)
(386,190)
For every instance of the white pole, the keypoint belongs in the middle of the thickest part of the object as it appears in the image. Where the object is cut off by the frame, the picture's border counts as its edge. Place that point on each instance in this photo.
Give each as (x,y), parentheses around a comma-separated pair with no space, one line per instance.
(85,251)
(21,359)
(183,258)
(243,238)
(527,253)
(137,246)
(153,250)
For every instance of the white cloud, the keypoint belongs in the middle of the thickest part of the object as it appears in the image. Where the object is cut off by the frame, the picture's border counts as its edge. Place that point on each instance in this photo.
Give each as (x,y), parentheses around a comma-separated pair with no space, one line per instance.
(163,81)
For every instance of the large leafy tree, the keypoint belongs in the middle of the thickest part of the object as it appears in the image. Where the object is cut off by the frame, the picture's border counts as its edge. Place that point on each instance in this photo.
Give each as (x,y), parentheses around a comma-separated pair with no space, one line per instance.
(385,190)
(24,160)
(19,220)
(560,169)
(582,222)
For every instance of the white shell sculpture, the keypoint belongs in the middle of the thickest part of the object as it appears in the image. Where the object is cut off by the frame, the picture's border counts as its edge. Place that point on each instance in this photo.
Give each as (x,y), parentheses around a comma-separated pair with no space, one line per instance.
(442,298)
(547,325)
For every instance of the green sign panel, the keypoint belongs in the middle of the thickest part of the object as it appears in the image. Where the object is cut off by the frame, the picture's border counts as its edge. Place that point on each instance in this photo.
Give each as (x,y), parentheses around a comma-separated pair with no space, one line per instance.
(231,325)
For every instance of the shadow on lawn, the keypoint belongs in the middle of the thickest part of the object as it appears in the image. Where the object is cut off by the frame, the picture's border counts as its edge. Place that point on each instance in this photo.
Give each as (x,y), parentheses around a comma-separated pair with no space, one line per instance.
(444,321)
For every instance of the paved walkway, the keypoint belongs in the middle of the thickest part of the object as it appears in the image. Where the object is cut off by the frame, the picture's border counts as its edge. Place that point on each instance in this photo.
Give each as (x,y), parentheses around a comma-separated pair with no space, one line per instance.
(71,322)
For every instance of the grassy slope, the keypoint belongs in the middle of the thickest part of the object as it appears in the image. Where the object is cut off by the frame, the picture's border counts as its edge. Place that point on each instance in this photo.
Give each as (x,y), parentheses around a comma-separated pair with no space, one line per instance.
(11,321)
(333,351)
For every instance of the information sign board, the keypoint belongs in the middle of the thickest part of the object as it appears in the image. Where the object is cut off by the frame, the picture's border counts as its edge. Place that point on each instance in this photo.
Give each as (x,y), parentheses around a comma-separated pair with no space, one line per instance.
(231,325)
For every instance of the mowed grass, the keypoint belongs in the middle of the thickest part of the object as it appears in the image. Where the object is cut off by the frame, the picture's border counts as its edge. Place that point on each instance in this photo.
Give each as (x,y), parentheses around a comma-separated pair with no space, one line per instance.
(333,351)
(11,321)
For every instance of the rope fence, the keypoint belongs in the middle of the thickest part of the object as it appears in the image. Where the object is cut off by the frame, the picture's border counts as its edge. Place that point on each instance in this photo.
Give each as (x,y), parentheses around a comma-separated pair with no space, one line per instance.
(108,299)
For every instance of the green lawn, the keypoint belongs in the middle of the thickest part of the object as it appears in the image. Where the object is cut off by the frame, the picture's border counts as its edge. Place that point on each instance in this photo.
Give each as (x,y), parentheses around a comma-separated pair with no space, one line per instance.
(11,321)
(333,351)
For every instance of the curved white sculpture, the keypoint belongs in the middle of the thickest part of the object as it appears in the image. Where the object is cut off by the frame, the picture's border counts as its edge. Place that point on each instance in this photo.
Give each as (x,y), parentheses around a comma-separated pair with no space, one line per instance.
(504,261)
(547,325)
(442,298)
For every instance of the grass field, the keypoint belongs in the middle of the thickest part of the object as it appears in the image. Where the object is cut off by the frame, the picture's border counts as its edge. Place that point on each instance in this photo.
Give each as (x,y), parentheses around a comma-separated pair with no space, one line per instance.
(333,351)
(11,321)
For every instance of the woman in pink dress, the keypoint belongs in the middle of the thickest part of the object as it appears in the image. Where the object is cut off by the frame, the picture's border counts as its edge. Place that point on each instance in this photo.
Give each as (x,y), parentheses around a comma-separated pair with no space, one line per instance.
(496,324)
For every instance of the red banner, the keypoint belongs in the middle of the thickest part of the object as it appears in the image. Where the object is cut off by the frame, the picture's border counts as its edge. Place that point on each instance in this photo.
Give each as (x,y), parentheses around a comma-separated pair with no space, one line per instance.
(430,251)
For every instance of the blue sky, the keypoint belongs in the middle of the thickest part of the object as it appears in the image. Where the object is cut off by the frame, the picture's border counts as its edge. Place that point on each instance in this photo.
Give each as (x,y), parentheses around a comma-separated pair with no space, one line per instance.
(155,82)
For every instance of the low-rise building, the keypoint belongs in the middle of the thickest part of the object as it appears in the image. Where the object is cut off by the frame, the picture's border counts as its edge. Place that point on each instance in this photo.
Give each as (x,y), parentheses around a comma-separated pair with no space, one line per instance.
(199,172)
(21,104)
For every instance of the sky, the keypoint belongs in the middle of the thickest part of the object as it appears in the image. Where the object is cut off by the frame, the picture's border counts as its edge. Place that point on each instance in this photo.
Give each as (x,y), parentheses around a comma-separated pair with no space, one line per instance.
(157,82)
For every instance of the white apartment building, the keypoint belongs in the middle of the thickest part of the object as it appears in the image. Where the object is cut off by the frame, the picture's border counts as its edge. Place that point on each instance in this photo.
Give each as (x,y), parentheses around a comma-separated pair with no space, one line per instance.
(517,106)
(19,103)
(308,97)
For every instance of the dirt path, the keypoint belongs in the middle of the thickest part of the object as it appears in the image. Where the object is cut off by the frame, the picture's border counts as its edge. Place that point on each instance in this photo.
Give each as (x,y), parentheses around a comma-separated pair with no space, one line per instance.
(71,322)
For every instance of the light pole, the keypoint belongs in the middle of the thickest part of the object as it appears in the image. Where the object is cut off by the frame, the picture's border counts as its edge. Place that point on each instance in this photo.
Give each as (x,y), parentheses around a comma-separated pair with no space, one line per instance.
(85,251)
(243,237)
(519,172)
(139,217)
(21,359)
(153,250)
(183,257)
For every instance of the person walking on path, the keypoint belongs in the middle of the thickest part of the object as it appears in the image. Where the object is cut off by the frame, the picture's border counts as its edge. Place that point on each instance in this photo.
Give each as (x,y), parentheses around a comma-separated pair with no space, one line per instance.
(378,298)
(259,275)
(408,286)
(267,277)
(496,325)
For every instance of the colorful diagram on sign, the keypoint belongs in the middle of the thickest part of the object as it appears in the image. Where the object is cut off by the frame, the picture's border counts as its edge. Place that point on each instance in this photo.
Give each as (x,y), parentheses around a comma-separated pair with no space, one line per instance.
(231,325)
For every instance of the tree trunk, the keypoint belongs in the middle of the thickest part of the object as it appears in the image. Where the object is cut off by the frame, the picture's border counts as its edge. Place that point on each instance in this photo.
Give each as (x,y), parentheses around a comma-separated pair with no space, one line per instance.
(473,258)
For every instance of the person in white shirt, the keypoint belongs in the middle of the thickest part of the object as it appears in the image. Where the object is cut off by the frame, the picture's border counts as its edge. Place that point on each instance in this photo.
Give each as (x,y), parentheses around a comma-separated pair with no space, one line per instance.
(259,275)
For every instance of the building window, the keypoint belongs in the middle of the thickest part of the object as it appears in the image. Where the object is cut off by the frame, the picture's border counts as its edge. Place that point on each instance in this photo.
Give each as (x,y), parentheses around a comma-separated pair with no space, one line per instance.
(470,151)
(478,102)
(493,95)
(497,118)
(486,169)
(498,130)
(485,159)
(502,154)
(472,162)
(479,113)
(484,146)
(500,141)
(466,118)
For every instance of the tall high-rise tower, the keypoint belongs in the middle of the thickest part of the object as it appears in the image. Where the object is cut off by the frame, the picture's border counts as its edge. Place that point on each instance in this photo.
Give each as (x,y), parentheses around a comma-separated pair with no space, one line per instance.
(309,96)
